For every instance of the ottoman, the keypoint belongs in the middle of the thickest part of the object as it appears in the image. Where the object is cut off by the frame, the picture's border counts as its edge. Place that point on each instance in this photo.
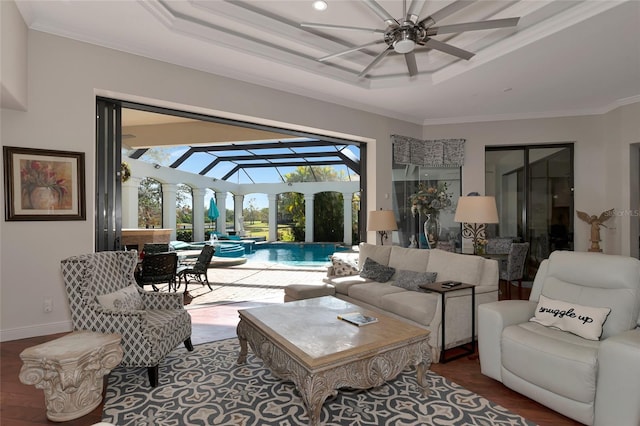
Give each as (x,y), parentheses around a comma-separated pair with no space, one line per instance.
(307,291)
(70,370)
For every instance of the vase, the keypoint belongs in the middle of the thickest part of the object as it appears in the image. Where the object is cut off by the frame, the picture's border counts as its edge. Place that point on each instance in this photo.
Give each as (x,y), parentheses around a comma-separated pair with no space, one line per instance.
(43,198)
(432,229)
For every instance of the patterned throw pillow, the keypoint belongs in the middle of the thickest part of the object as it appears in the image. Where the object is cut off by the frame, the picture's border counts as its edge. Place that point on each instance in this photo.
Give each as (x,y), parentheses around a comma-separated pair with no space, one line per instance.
(375,271)
(126,299)
(342,267)
(411,280)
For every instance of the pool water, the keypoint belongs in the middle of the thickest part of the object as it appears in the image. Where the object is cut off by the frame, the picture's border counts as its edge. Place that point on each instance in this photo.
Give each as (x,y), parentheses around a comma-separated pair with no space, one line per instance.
(295,254)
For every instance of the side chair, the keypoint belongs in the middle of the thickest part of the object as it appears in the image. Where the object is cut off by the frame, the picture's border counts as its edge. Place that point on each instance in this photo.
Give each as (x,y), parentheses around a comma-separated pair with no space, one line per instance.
(514,268)
(199,270)
(104,297)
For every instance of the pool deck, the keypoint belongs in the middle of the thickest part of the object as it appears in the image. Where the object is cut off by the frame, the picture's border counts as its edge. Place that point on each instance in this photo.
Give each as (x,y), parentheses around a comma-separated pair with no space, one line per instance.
(188,256)
(251,281)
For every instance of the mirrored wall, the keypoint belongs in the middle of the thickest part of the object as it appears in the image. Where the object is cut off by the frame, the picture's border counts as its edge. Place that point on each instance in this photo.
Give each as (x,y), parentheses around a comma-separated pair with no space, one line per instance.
(419,192)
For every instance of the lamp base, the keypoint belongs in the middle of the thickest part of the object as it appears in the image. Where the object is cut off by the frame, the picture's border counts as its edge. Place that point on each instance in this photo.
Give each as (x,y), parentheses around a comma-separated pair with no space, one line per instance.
(474,232)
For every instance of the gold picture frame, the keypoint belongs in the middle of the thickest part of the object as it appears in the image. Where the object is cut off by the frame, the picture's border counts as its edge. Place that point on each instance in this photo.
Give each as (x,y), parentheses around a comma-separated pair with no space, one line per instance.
(43,184)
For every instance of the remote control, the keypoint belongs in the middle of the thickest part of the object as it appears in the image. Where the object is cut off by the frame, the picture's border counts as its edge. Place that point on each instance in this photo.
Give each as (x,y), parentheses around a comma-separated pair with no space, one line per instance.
(451,284)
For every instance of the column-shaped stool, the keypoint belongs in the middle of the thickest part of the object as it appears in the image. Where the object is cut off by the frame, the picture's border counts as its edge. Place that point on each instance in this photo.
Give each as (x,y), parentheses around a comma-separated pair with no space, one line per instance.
(70,370)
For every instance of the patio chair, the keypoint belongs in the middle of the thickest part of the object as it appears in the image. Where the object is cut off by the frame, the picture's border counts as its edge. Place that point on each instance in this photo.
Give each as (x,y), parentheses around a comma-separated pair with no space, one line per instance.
(199,270)
(154,248)
(157,269)
(104,297)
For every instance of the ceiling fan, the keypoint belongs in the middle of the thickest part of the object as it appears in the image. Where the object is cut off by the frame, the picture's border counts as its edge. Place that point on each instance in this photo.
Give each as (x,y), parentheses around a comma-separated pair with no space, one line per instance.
(402,36)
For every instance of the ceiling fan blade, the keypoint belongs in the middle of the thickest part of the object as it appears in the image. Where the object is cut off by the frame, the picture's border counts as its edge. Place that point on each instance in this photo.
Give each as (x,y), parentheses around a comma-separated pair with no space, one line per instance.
(414,10)
(444,12)
(410,59)
(340,27)
(473,26)
(375,62)
(447,48)
(382,13)
(353,49)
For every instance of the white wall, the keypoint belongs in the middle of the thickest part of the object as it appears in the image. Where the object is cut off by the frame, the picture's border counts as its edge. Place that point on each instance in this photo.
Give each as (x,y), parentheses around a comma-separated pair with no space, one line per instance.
(601,162)
(13,75)
(64,77)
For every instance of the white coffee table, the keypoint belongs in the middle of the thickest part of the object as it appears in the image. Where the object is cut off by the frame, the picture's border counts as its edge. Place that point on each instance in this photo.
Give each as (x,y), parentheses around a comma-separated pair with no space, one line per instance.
(306,343)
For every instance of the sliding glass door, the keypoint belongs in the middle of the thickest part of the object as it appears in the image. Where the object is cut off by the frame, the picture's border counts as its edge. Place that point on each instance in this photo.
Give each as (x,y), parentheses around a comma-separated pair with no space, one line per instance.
(533,186)
(108,184)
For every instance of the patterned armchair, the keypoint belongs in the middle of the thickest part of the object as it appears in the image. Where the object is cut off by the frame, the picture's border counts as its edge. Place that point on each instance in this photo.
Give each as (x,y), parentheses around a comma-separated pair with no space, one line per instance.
(104,297)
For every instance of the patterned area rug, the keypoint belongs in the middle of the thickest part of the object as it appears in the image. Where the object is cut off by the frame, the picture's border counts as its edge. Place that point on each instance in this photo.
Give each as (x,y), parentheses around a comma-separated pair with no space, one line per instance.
(206,387)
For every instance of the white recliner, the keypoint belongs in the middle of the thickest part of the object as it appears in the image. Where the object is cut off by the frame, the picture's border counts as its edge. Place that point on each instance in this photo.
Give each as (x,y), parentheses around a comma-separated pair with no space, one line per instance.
(596,382)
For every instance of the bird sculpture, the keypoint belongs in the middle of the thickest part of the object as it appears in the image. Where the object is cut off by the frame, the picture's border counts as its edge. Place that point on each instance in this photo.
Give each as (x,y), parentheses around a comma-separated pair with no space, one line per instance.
(596,222)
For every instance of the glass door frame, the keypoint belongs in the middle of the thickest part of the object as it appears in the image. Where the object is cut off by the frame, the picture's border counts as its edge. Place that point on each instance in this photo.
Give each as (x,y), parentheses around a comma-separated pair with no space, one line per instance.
(525,231)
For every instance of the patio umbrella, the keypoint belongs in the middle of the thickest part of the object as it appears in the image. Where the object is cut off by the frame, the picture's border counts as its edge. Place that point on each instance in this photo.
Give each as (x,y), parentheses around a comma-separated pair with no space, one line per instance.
(213,210)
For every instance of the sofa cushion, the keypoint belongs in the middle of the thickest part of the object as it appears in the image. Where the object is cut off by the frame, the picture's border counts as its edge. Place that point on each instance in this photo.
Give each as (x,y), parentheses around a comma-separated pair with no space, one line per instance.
(409,259)
(455,267)
(584,321)
(372,293)
(376,271)
(419,307)
(126,299)
(378,253)
(343,267)
(411,280)
(342,284)
(566,364)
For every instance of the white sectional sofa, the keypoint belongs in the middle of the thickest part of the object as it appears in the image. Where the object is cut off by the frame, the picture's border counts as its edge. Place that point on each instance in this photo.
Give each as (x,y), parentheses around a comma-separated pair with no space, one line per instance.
(418,307)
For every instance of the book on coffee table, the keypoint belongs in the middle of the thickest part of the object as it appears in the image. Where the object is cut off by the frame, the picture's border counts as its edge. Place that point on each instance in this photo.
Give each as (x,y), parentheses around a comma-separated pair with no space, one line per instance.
(357,318)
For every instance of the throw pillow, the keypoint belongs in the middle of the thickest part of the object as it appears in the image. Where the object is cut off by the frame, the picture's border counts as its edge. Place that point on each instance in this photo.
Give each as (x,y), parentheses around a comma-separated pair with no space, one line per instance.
(584,321)
(375,271)
(411,280)
(126,299)
(342,267)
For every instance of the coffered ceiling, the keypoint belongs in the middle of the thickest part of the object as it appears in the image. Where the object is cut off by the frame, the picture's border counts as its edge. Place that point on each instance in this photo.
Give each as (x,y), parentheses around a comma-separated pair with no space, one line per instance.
(564,57)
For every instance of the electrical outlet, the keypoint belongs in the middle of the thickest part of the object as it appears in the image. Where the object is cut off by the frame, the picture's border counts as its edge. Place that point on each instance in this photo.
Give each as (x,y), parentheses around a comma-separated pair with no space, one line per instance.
(47,306)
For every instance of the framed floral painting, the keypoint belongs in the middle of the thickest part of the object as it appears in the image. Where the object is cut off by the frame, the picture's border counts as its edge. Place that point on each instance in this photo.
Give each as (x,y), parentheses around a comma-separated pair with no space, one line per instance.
(41,184)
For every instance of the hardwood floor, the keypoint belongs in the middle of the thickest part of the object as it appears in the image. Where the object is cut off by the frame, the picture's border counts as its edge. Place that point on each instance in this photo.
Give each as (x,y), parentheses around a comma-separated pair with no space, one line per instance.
(24,405)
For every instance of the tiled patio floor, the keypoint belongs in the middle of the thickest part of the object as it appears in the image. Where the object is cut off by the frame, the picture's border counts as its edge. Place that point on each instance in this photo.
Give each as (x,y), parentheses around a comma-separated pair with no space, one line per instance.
(214,313)
(252,281)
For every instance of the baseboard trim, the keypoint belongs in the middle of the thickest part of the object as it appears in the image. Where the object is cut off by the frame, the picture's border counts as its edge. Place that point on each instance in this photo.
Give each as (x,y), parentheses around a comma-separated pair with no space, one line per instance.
(35,330)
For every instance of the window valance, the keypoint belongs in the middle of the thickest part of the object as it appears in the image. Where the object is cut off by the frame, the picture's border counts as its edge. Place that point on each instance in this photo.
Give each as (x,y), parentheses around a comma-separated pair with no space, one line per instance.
(429,153)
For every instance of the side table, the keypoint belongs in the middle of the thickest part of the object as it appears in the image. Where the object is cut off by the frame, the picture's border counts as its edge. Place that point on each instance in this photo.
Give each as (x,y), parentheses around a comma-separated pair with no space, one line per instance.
(70,370)
(438,288)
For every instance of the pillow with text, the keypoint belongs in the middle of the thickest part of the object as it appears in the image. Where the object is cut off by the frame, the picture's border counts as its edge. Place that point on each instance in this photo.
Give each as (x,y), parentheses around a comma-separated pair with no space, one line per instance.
(584,321)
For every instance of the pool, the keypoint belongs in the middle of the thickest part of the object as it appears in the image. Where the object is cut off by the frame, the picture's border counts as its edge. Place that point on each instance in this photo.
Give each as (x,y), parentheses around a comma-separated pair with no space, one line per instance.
(295,254)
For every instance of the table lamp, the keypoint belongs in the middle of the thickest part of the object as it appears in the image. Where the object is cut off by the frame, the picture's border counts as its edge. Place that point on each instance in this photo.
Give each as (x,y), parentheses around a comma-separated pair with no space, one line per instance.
(382,221)
(475,211)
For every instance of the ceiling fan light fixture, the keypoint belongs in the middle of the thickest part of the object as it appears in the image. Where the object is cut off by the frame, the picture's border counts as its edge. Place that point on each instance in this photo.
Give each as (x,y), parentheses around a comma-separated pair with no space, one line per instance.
(404,42)
(320,5)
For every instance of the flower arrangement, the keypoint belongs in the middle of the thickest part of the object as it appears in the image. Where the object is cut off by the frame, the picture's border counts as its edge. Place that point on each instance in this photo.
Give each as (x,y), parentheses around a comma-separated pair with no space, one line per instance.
(480,246)
(36,174)
(430,199)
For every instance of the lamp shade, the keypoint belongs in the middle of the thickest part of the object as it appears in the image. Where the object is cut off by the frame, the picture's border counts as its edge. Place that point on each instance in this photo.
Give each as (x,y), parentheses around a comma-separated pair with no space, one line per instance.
(382,220)
(476,209)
